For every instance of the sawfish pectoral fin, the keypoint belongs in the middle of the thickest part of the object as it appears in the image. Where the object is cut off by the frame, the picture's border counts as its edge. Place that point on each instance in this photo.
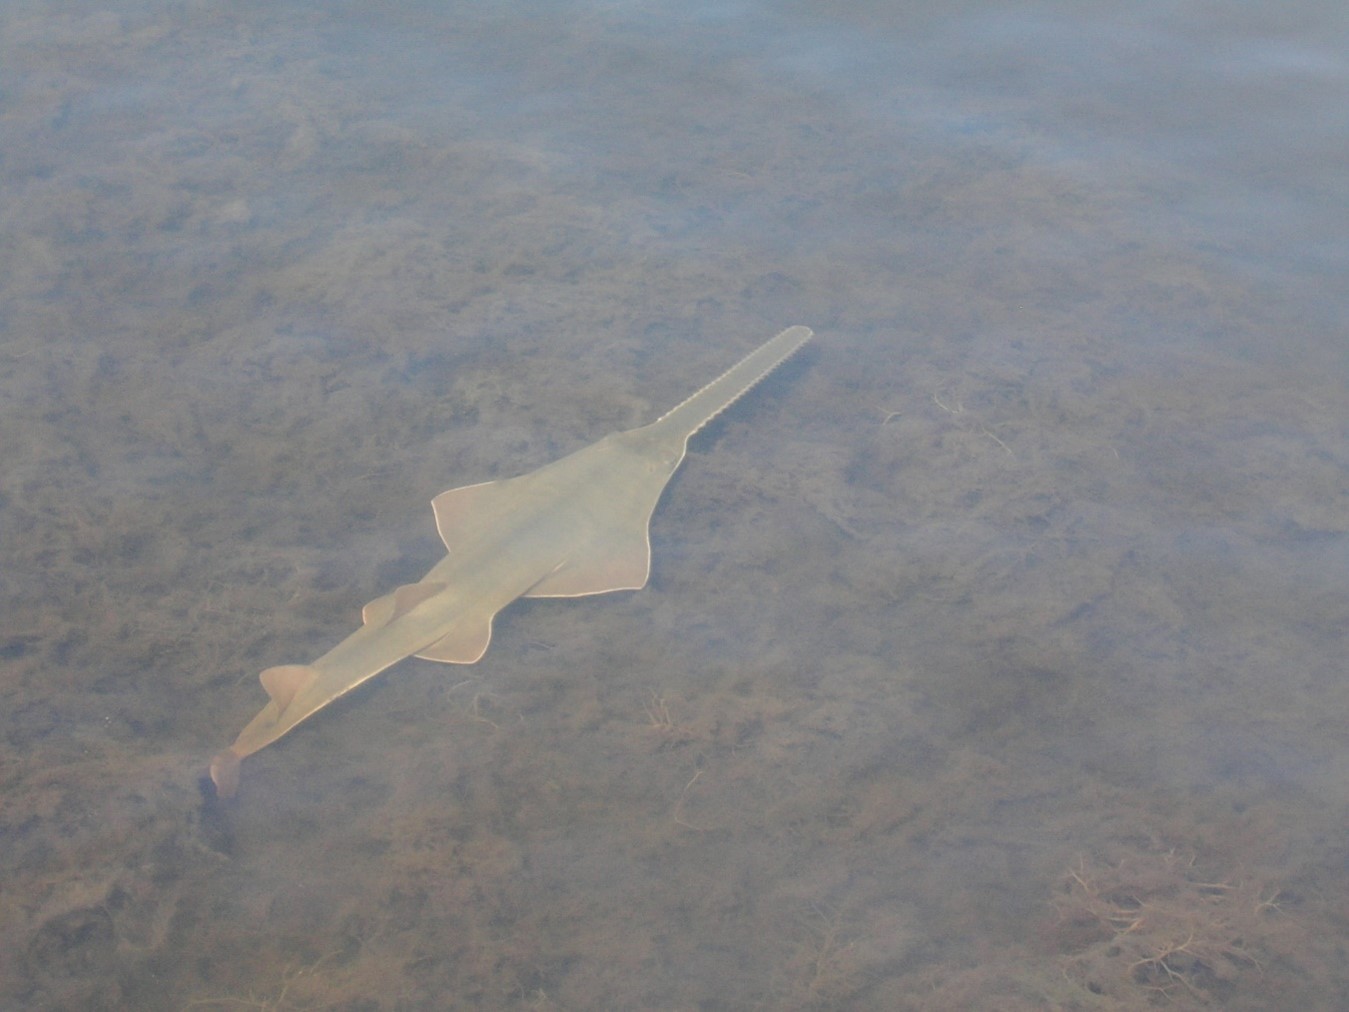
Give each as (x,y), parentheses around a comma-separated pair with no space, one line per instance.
(463,645)
(464,511)
(624,563)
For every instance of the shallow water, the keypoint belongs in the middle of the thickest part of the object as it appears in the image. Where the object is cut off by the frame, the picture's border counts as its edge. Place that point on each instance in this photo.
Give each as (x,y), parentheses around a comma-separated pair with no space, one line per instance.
(993,655)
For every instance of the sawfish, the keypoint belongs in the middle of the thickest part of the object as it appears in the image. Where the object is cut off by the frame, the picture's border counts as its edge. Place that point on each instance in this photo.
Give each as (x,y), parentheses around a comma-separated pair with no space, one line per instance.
(577,526)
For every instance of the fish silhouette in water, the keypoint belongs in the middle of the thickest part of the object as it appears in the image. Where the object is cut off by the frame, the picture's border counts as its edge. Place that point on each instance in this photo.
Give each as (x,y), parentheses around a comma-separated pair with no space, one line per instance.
(577,526)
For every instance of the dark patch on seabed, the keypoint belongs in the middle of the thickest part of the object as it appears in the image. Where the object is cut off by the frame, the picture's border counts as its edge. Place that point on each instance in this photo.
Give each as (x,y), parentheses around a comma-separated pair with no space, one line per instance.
(993,655)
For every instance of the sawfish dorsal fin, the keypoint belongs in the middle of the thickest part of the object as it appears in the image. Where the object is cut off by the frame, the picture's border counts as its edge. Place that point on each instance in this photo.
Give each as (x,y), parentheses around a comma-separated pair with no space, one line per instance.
(285,681)
(383,610)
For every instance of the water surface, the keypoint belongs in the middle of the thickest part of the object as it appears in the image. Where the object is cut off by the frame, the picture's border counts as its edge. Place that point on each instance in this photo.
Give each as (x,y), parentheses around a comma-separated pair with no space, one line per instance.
(993,655)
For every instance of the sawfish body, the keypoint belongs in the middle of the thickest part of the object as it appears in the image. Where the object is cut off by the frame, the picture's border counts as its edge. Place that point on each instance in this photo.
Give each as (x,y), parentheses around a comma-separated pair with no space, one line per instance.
(577,526)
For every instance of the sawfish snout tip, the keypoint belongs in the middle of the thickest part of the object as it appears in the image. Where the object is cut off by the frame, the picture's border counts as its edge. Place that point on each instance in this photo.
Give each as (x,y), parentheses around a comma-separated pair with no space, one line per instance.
(225,773)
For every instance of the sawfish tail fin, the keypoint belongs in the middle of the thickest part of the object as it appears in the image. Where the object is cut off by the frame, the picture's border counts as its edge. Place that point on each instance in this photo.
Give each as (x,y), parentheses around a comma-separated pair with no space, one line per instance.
(225,773)
(283,684)
(690,416)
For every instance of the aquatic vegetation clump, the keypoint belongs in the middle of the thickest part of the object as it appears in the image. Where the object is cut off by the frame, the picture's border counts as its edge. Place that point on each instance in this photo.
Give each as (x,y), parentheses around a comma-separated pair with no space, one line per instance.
(1153,926)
